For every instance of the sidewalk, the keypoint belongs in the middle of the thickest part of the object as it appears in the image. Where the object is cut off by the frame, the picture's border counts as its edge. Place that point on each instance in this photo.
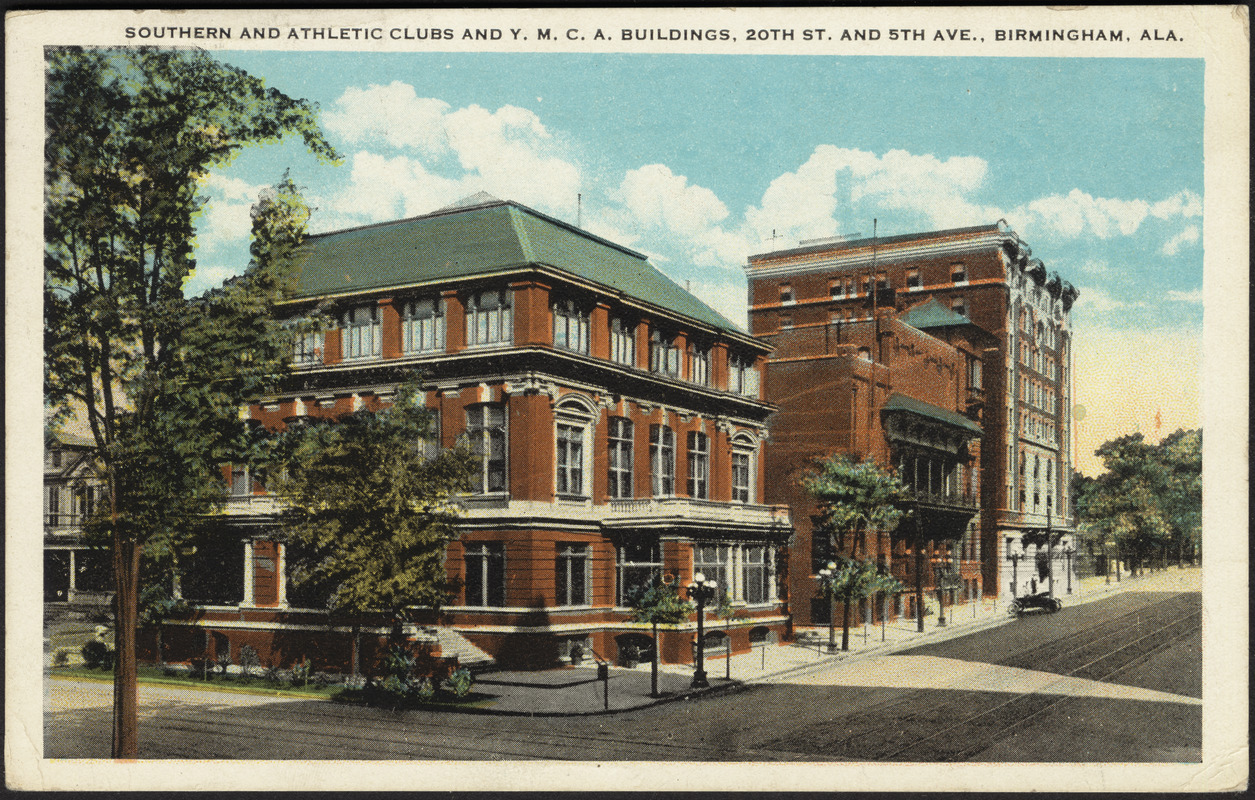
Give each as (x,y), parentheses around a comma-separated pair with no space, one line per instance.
(573,691)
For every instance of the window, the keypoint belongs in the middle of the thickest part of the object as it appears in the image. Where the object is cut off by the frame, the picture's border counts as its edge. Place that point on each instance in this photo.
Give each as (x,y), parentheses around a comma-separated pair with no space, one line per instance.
(742,376)
(638,567)
(485,574)
(422,326)
(785,322)
(570,464)
(959,306)
(620,458)
(741,472)
(882,281)
(54,505)
(786,293)
(865,353)
(714,563)
(572,575)
(958,273)
(622,342)
(664,356)
(488,319)
(836,288)
(662,460)
(973,372)
(570,326)
(239,481)
(360,332)
(756,583)
(913,280)
(307,348)
(699,465)
(486,428)
(699,365)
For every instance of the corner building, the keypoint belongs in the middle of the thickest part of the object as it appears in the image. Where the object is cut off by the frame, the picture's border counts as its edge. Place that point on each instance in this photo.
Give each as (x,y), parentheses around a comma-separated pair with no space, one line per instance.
(993,346)
(618,424)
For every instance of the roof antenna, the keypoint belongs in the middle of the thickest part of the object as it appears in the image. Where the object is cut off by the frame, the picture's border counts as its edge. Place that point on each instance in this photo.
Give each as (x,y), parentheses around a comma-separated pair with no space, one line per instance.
(579,209)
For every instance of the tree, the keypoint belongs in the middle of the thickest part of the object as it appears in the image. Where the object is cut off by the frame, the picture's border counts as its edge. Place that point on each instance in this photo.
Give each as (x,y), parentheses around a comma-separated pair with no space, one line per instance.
(660,605)
(853,499)
(1181,453)
(372,504)
(850,580)
(131,135)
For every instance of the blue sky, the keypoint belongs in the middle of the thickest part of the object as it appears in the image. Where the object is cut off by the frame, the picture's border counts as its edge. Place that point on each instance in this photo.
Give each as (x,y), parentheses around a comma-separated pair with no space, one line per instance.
(695,160)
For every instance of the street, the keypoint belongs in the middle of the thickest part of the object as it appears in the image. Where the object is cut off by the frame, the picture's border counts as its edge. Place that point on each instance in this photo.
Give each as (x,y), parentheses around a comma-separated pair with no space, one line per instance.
(1115,680)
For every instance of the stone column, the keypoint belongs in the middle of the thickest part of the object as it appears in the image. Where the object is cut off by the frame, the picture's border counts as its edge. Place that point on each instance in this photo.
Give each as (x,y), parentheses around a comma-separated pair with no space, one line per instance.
(248,573)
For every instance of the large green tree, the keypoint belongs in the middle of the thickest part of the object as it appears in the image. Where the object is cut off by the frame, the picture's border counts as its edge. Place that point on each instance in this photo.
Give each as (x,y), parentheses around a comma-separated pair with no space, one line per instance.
(370,505)
(1150,496)
(850,580)
(853,499)
(131,136)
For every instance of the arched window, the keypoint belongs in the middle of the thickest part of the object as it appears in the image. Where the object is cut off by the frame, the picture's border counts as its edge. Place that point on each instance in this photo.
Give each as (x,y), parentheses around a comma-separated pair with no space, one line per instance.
(743,452)
(573,425)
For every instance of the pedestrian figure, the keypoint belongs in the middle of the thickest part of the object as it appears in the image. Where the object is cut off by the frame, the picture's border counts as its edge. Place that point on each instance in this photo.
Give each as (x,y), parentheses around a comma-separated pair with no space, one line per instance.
(1033,586)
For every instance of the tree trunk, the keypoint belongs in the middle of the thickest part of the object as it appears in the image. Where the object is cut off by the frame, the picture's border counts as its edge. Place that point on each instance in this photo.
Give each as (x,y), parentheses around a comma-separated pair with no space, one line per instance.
(845,624)
(126,606)
(653,667)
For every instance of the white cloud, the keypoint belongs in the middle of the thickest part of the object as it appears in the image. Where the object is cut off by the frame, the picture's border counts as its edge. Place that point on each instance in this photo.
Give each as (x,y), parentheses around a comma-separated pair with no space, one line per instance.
(658,197)
(1183,204)
(227,217)
(447,154)
(1094,300)
(1192,296)
(392,114)
(1174,245)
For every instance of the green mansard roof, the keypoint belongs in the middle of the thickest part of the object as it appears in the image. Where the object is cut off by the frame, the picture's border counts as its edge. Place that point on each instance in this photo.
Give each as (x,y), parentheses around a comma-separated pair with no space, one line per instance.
(900,402)
(482,236)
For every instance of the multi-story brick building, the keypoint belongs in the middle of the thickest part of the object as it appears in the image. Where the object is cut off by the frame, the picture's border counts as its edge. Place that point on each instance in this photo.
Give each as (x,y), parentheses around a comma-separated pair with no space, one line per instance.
(617,421)
(1004,351)
(74,572)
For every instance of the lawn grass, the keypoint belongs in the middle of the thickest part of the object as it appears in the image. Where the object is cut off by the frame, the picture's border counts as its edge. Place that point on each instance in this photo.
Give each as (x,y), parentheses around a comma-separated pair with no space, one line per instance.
(229,683)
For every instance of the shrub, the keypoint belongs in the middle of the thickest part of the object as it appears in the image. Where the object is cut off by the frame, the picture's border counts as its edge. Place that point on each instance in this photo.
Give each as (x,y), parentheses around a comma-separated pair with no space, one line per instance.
(97,655)
(461,682)
(322,680)
(424,691)
(300,672)
(61,657)
(249,661)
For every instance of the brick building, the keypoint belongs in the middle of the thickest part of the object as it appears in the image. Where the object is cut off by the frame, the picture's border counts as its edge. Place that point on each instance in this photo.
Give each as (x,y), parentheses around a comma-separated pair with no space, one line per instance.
(964,325)
(618,424)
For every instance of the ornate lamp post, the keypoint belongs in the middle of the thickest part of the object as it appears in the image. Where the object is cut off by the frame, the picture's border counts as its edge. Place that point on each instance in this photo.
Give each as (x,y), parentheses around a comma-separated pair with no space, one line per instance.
(825,583)
(701,592)
(1015,561)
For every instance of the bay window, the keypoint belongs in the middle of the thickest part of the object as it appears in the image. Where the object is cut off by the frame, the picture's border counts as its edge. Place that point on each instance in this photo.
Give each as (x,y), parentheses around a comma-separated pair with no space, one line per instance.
(714,562)
(484,582)
(571,576)
(755,574)
(638,567)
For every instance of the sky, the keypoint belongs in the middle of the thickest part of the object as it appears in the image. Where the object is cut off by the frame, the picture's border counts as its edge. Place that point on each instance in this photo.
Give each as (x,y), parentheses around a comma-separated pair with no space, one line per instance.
(697,161)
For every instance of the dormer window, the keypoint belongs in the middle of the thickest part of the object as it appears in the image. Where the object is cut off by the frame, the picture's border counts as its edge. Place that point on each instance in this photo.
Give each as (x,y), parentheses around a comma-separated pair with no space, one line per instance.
(488,318)
(422,326)
(360,332)
(570,326)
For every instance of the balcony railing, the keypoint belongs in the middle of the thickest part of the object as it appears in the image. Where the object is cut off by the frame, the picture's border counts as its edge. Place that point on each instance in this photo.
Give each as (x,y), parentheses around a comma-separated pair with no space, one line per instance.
(251,505)
(954,499)
(650,508)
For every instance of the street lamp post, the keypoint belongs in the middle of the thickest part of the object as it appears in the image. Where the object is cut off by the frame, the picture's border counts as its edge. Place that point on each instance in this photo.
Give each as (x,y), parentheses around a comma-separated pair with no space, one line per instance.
(701,592)
(1015,561)
(1068,555)
(825,580)
(941,598)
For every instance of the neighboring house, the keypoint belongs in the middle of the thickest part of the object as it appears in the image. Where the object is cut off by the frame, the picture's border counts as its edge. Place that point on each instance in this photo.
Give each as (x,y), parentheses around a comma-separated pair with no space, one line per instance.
(73,571)
(617,420)
(992,345)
